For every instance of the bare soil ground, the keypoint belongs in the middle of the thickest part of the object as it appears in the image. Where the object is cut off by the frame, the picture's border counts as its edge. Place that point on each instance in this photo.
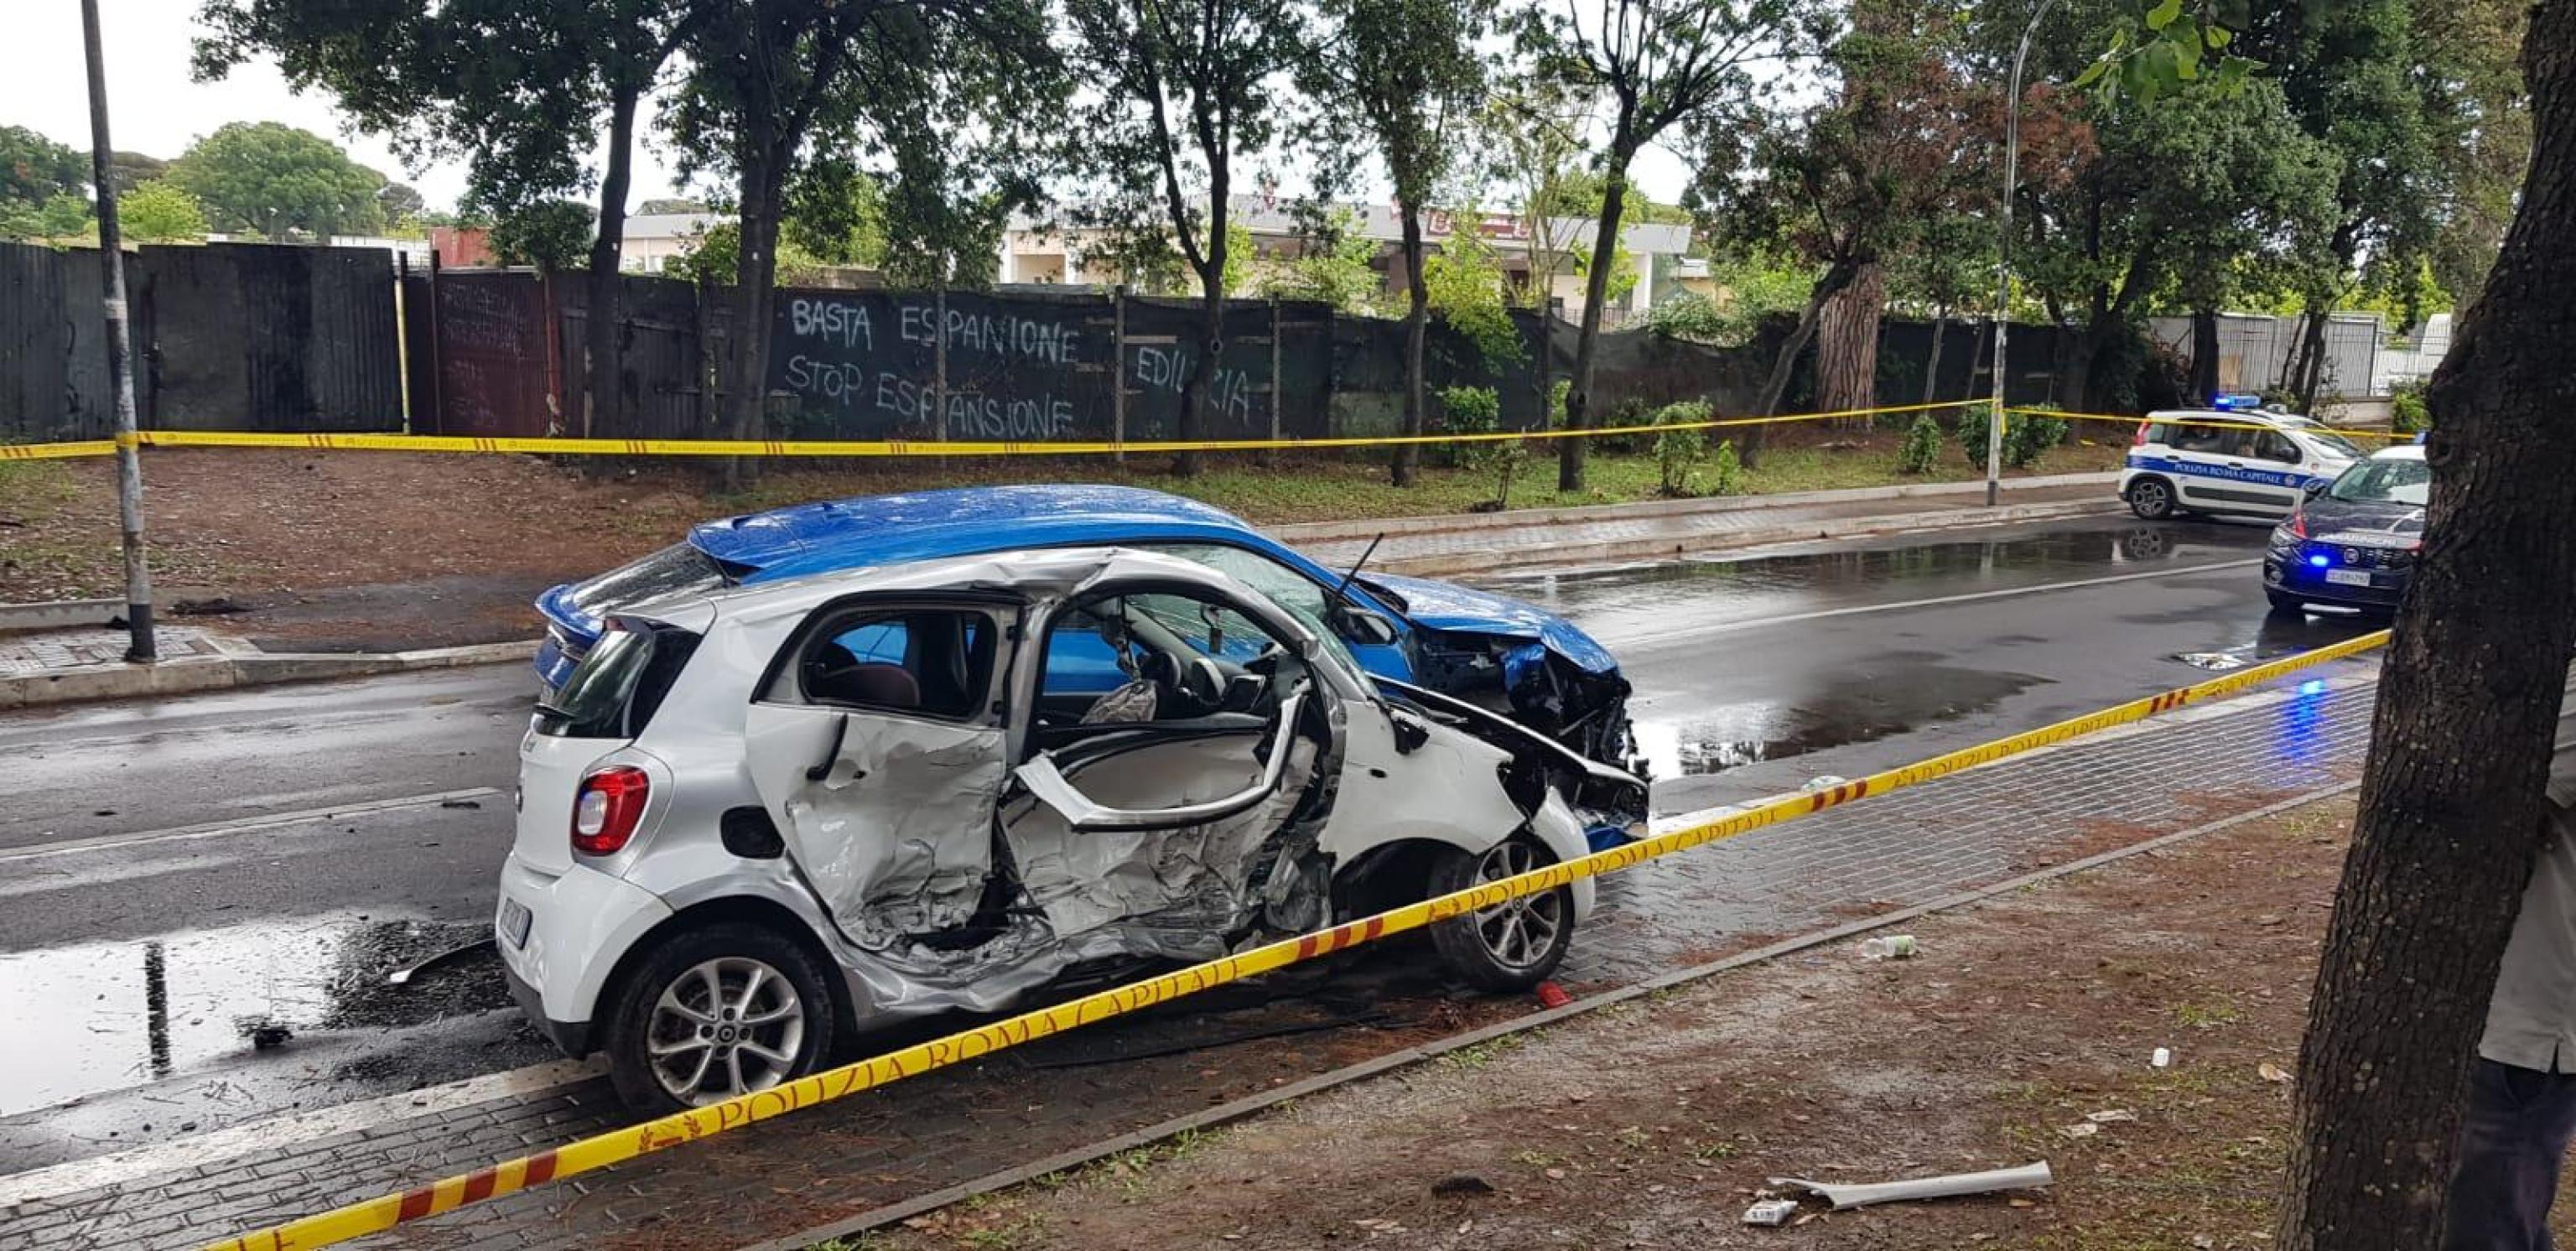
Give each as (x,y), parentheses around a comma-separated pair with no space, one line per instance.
(376,549)
(2023,1032)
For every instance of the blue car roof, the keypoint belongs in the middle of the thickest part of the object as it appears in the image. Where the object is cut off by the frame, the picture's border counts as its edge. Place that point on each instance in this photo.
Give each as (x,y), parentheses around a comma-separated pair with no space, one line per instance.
(927,525)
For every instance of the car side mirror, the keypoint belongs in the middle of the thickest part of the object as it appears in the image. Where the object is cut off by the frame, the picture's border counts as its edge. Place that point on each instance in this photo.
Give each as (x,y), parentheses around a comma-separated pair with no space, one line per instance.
(2315,487)
(1357,626)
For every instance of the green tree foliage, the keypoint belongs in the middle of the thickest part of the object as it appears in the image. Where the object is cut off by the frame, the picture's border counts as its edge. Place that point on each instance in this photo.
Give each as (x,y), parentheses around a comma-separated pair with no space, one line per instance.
(278,182)
(1754,284)
(1658,66)
(156,212)
(129,170)
(399,202)
(673,206)
(1177,93)
(1338,267)
(1464,280)
(553,235)
(34,169)
(1403,75)
(65,216)
(714,258)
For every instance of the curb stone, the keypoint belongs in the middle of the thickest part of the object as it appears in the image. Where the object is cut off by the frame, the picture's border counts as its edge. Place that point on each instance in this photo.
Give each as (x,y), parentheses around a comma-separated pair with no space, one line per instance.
(1241,1109)
(240,666)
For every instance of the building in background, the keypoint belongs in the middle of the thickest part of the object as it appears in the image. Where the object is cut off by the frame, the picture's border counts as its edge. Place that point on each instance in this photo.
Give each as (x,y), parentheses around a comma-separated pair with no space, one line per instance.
(653,239)
(1034,252)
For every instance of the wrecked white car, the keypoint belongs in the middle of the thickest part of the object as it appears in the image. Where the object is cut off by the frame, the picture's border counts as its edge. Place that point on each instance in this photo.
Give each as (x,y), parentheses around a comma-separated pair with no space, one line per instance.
(760,820)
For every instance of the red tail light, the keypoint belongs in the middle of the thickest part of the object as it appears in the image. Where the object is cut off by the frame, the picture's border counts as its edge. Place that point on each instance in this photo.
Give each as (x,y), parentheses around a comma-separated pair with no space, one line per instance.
(2298,524)
(2140,439)
(605,813)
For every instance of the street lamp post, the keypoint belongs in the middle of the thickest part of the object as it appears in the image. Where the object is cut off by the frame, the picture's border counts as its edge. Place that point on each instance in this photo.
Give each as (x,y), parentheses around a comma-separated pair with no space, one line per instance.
(120,354)
(2003,258)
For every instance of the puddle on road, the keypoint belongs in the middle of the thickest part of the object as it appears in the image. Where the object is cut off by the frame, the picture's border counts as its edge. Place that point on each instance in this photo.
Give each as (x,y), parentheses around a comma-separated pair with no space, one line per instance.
(99,1017)
(1761,585)
(1851,708)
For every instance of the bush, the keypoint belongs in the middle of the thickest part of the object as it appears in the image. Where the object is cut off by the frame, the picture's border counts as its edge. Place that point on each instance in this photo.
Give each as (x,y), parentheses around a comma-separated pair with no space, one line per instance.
(2028,436)
(1972,433)
(1725,472)
(1678,453)
(2412,415)
(1922,446)
(1479,410)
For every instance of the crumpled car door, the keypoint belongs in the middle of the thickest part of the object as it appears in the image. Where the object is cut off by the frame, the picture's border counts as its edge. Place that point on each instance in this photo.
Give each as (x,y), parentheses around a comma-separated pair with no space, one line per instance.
(1152,840)
(888,816)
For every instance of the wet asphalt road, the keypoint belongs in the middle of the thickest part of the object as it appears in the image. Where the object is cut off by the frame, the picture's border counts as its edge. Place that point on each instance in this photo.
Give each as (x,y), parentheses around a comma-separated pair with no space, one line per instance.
(144,864)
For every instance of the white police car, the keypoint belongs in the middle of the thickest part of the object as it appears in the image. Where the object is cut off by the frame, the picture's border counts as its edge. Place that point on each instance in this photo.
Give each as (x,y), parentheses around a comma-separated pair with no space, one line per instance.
(2232,459)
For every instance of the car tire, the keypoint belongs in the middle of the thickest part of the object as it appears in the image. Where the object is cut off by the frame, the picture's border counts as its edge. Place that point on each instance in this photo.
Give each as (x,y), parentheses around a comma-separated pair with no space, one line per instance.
(2286,604)
(714,1011)
(2152,499)
(1513,945)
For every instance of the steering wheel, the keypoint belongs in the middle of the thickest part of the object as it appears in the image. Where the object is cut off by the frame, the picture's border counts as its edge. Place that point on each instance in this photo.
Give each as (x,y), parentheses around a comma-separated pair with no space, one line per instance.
(1202,683)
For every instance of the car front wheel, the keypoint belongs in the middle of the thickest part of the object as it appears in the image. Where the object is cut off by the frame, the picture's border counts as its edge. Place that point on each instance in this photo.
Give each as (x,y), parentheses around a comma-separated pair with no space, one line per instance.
(1512,945)
(2285,603)
(2151,498)
(726,1010)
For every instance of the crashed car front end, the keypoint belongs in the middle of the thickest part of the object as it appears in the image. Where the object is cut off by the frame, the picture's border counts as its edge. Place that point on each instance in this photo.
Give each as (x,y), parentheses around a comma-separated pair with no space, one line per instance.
(1529,665)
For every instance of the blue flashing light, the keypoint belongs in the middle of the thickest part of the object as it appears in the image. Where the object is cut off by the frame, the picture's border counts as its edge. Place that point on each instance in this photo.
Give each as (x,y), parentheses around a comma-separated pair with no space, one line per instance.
(2320,560)
(2237,403)
(2313,686)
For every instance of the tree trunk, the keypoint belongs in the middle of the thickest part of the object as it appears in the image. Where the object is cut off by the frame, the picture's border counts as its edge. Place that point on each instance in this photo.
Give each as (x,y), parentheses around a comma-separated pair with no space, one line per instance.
(600,324)
(1203,367)
(1847,342)
(2451,804)
(2204,355)
(1836,276)
(1417,313)
(1596,291)
(2313,357)
(2075,382)
(755,271)
(1932,365)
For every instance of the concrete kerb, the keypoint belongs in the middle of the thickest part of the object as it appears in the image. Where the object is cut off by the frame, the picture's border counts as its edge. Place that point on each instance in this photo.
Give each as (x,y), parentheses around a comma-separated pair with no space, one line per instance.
(60,614)
(1334,531)
(1240,1109)
(238,665)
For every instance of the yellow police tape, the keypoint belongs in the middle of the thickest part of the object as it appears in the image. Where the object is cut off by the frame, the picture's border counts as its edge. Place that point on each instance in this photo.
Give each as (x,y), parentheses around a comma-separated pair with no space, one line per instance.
(588,1154)
(870,447)
(57,451)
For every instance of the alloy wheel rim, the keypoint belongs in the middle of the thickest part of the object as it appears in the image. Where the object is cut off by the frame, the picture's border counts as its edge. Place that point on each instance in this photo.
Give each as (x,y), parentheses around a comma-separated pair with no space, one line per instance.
(1517,933)
(725,1027)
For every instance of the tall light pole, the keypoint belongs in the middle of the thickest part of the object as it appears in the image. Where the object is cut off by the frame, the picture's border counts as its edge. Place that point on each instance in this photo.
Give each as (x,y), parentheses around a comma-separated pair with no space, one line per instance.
(2003,258)
(120,355)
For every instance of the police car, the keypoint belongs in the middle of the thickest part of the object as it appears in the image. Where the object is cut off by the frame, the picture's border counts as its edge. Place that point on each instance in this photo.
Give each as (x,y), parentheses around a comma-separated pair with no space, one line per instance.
(2233,459)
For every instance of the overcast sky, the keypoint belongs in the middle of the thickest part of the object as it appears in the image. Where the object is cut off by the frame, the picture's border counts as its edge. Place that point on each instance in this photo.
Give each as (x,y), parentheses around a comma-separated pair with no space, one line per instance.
(155,107)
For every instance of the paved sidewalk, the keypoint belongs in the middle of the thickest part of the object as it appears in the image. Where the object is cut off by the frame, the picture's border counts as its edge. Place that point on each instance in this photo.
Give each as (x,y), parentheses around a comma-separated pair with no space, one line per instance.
(1905,848)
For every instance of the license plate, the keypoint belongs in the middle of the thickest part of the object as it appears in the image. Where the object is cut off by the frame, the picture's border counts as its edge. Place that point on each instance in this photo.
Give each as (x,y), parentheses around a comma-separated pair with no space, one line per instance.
(514,922)
(2348,577)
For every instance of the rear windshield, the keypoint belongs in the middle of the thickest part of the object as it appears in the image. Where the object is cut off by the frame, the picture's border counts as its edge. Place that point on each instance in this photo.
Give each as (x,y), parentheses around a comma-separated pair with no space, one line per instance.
(2391,481)
(619,683)
(672,570)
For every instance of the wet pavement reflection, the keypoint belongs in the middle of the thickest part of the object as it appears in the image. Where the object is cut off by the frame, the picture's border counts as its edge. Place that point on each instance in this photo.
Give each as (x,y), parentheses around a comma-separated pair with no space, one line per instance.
(97,1017)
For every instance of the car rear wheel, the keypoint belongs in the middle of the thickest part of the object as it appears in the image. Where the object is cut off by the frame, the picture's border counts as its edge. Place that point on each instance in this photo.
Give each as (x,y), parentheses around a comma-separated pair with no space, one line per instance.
(726,1010)
(2151,498)
(1512,945)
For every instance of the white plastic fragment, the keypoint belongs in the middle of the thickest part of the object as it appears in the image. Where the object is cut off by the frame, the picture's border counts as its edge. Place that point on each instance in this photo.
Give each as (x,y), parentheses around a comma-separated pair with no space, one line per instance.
(1771,1212)
(2163,1058)
(1891,947)
(1952,1185)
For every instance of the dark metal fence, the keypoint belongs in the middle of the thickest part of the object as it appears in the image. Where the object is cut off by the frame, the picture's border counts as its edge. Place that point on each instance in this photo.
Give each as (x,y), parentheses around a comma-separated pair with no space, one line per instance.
(227,337)
(272,338)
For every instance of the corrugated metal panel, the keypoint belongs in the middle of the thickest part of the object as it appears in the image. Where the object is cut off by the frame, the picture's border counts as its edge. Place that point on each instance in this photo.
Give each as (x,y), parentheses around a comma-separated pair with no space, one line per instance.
(53,349)
(495,357)
(663,390)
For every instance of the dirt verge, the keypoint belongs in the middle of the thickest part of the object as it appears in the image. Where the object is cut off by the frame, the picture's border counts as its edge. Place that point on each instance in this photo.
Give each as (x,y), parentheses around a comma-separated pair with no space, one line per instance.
(2023,1032)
